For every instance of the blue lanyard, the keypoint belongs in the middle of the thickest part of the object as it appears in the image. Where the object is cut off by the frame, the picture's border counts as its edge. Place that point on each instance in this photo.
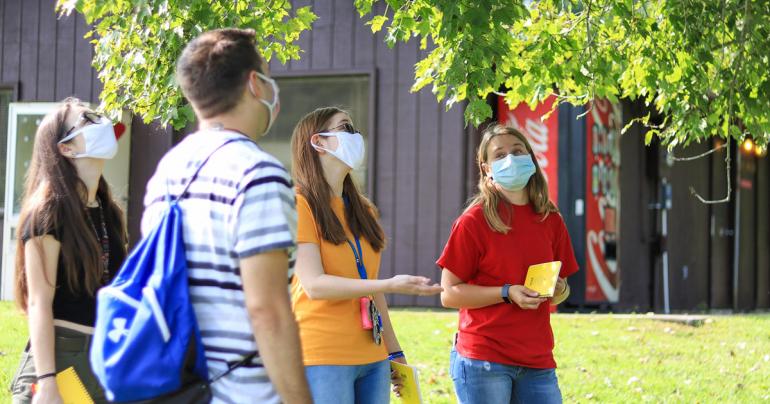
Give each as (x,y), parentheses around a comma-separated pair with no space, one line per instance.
(359,258)
(358,254)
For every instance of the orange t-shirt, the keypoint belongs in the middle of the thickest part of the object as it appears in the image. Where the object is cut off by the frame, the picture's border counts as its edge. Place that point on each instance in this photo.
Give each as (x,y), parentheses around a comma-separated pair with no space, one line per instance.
(330,330)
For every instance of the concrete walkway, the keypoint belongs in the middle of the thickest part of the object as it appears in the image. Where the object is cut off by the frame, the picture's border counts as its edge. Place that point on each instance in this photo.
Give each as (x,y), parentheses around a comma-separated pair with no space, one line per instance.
(693,320)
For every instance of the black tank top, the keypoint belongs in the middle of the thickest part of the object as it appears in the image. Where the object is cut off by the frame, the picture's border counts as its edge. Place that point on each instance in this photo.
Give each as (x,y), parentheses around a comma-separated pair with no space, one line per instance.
(79,307)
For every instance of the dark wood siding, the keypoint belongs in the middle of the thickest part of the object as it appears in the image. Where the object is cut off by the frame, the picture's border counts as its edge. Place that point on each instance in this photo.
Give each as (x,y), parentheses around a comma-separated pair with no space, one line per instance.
(744,297)
(45,56)
(636,233)
(688,230)
(148,145)
(722,230)
(763,233)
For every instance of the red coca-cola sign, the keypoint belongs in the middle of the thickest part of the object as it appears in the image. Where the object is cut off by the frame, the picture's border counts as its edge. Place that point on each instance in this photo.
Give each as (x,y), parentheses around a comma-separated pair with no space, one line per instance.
(543,135)
(603,124)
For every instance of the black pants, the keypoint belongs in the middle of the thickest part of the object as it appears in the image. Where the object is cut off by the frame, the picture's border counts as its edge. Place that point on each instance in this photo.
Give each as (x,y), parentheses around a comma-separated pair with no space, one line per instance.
(70,349)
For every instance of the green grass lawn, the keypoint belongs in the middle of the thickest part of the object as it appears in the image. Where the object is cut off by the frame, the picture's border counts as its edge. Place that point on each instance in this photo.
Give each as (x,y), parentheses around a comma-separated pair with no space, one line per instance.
(600,358)
(608,360)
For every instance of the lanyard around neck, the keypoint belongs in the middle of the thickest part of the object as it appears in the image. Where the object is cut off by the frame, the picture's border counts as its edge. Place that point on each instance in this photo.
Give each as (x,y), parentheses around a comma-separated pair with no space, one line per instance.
(357,253)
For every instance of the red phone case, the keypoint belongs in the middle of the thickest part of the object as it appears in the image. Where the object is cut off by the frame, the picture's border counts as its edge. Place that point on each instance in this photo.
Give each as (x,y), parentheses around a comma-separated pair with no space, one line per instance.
(366,321)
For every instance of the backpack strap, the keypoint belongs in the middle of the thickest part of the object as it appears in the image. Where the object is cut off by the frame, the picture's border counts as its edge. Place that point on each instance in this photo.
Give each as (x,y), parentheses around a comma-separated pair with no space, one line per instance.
(230,367)
(198,170)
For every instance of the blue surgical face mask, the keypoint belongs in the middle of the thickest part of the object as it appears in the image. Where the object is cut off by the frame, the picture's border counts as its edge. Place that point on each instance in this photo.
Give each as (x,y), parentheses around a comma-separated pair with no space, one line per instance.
(513,172)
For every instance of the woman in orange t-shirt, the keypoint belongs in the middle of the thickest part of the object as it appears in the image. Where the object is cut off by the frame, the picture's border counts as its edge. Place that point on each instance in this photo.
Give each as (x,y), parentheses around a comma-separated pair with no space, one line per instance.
(339,303)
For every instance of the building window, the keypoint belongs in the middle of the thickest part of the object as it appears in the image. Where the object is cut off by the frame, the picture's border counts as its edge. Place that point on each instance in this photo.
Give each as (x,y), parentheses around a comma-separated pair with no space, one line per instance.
(300,95)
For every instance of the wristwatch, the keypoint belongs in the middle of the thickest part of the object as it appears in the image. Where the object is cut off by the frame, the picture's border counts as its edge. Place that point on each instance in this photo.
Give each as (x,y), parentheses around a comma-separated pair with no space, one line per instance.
(504,293)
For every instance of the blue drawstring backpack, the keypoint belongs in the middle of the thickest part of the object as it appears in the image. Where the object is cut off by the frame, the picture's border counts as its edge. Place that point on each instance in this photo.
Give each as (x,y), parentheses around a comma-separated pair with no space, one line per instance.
(146,344)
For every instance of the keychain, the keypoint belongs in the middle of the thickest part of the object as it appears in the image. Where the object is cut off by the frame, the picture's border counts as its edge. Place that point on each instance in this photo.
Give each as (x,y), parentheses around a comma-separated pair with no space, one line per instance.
(376,320)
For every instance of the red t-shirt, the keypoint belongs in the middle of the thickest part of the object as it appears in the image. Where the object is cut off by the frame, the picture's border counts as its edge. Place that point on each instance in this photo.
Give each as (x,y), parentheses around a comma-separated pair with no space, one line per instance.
(505,333)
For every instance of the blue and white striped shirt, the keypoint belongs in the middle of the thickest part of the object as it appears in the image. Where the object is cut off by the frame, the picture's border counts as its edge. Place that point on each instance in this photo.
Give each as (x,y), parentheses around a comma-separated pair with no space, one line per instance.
(241,204)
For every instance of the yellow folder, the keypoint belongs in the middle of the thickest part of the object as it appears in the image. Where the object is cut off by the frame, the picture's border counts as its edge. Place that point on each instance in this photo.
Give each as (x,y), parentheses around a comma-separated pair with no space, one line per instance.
(542,278)
(71,388)
(410,391)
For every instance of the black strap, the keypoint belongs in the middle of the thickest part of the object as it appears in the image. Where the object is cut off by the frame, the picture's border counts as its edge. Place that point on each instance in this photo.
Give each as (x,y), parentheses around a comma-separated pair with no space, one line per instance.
(198,170)
(230,367)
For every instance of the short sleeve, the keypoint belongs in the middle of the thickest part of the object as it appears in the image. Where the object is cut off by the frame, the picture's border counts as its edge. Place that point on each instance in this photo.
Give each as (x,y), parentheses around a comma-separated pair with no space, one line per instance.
(265,217)
(307,230)
(563,251)
(462,252)
(31,231)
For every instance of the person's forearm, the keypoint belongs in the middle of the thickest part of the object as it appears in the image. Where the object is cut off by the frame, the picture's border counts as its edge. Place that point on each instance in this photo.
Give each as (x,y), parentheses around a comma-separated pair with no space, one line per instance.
(388,333)
(466,296)
(279,346)
(330,287)
(561,297)
(41,332)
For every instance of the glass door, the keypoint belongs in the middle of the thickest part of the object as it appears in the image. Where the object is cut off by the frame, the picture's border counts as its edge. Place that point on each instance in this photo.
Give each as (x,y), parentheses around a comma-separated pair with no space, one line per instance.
(23,120)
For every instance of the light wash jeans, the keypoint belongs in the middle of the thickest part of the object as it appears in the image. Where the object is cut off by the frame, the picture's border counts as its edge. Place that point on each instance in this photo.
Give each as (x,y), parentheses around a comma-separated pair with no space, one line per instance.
(478,381)
(355,384)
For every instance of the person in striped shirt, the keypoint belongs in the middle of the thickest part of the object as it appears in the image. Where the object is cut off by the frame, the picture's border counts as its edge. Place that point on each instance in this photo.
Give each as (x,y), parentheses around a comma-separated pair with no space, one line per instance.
(239,220)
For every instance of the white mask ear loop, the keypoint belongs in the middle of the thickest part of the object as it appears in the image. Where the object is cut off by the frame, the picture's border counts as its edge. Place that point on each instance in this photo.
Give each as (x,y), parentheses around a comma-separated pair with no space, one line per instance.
(319,147)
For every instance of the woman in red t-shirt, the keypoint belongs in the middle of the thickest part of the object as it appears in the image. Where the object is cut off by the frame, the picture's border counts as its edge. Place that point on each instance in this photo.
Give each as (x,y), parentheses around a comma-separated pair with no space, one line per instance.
(503,350)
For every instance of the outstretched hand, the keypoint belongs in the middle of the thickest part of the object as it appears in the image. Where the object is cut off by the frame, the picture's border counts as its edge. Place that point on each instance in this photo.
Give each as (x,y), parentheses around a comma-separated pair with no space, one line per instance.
(414,285)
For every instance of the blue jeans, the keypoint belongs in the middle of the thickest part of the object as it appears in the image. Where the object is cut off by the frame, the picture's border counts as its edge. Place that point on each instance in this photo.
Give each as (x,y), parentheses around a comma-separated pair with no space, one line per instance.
(478,381)
(355,384)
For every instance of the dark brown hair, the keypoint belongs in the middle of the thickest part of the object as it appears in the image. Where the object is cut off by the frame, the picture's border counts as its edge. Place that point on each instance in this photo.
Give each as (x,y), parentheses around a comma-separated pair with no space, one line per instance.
(308,174)
(214,67)
(54,200)
(490,198)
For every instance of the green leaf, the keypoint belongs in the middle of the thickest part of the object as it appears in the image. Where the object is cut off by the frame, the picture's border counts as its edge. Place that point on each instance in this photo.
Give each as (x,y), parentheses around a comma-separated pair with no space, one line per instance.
(377,22)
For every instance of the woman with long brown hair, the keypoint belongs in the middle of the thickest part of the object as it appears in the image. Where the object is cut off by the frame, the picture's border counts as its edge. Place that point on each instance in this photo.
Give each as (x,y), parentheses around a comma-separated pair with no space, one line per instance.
(503,350)
(339,303)
(71,240)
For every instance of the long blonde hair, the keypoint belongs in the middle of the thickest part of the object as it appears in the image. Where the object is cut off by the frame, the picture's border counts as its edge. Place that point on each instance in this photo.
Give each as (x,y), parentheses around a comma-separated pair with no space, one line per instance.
(490,198)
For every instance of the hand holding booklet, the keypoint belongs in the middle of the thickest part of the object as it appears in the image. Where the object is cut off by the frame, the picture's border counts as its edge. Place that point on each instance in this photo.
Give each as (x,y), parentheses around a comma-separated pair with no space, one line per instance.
(71,388)
(542,278)
(410,390)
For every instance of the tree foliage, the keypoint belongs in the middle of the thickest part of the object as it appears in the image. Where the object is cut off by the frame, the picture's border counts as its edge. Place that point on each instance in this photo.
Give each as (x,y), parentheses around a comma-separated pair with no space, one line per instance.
(137,43)
(703,65)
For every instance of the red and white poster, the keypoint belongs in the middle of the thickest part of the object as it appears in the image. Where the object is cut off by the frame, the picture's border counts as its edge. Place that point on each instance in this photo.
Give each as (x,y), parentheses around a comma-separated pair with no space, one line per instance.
(602,201)
(542,135)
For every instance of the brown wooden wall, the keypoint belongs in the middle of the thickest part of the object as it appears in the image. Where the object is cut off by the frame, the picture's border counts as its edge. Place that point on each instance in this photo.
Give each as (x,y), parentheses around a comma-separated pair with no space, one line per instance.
(419,149)
(637,234)
(43,55)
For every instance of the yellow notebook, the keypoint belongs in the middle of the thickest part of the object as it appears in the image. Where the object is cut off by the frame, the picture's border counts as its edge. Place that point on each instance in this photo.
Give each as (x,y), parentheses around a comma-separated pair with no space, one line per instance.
(542,278)
(410,392)
(71,388)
